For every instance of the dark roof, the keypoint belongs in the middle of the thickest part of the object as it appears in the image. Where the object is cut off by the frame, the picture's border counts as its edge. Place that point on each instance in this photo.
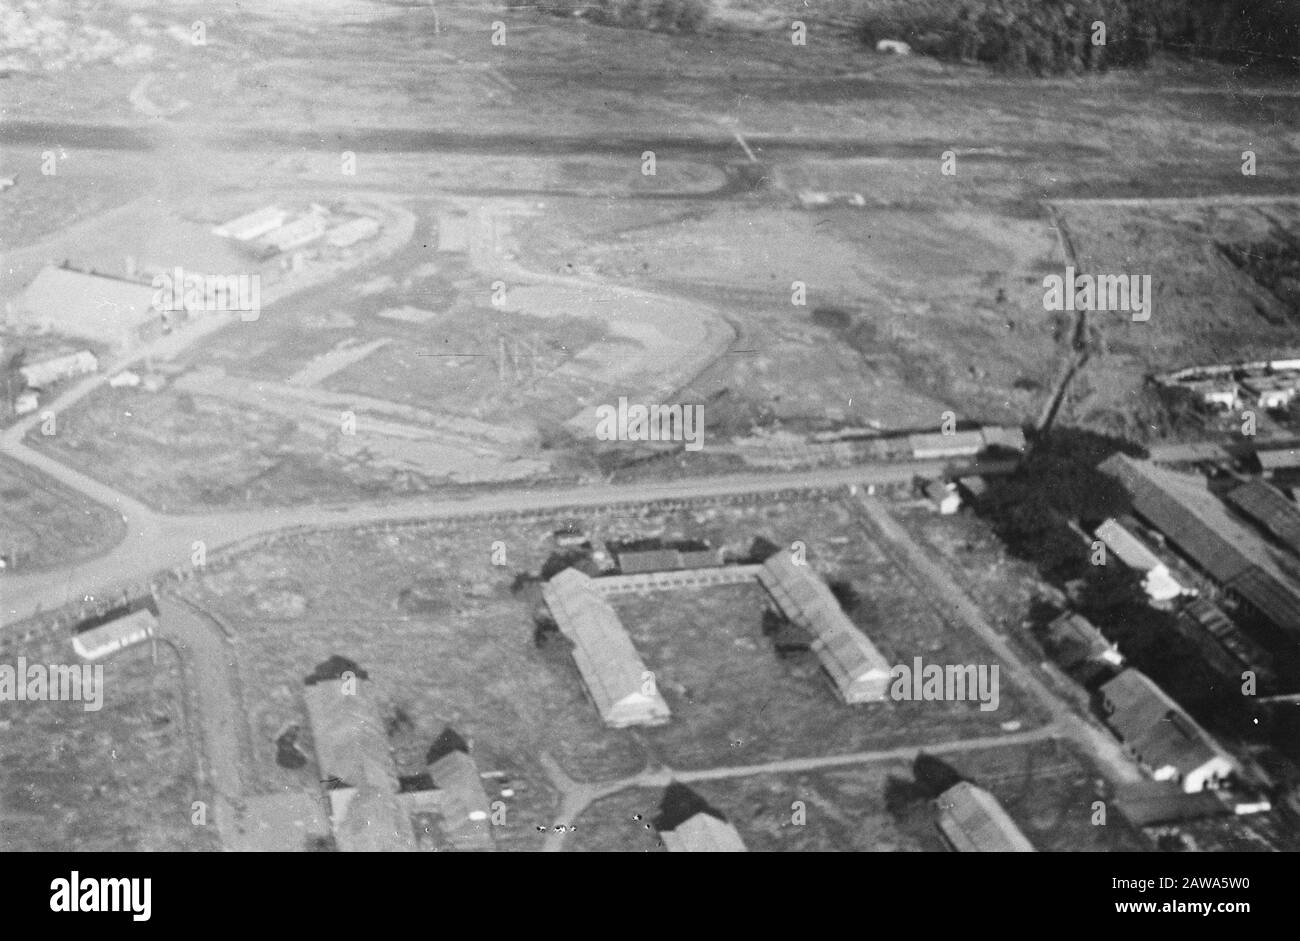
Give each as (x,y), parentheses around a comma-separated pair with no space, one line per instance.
(1274,600)
(1073,639)
(1269,509)
(1182,508)
(1154,725)
(144,603)
(1172,504)
(648,560)
(1223,645)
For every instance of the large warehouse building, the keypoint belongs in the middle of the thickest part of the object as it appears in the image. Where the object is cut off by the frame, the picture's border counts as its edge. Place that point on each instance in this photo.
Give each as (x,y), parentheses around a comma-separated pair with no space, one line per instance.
(113,311)
(624,691)
(859,671)
(357,769)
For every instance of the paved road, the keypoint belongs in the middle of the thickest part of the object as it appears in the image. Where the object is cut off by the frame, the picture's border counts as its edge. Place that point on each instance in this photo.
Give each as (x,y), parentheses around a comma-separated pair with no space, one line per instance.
(158,542)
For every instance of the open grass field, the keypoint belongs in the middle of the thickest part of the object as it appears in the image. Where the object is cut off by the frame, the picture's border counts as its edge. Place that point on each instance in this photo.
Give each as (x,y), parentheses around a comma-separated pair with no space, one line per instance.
(1206,309)
(117,780)
(1045,787)
(44,524)
(446,639)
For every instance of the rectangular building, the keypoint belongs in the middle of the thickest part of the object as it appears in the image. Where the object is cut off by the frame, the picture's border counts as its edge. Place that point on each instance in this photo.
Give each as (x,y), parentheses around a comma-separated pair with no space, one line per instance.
(113,311)
(1268,509)
(1161,736)
(859,671)
(974,822)
(624,691)
(1157,582)
(937,445)
(253,224)
(132,626)
(1074,641)
(1201,528)
(356,768)
(46,372)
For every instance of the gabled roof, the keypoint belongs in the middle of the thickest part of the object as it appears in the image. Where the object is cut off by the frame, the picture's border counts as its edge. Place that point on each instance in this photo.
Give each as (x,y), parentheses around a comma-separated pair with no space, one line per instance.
(687,823)
(352,753)
(1131,551)
(859,671)
(463,802)
(1155,726)
(1182,508)
(703,834)
(1269,509)
(129,628)
(1147,803)
(619,683)
(973,821)
(1074,639)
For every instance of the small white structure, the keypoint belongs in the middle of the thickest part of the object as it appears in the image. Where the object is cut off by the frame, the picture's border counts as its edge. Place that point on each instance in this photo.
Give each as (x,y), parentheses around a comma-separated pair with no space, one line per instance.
(48,371)
(1157,582)
(254,224)
(894,46)
(125,380)
(26,403)
(99,642)
(943,496)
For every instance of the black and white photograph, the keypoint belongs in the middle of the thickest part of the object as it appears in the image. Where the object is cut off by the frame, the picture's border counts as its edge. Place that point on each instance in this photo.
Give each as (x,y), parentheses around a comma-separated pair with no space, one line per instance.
(644,426)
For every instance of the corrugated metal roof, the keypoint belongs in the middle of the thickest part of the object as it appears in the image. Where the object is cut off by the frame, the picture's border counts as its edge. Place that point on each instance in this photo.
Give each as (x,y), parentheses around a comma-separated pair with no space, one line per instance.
(1267,507)
(859,671)
(1274,600)
(609,663)
(973,821)
(1191,518)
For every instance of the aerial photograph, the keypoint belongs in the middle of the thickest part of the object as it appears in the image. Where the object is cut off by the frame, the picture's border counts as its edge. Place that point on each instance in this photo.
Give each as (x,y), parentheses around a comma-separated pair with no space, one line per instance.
(650,426)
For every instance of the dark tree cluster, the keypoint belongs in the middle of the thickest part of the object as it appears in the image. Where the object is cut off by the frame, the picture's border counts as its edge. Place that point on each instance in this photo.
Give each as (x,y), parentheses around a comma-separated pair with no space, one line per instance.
(1054,37)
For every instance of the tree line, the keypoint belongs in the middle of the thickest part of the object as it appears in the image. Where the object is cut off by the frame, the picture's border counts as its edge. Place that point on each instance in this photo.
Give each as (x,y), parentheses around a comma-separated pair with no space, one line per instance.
(1056,37)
